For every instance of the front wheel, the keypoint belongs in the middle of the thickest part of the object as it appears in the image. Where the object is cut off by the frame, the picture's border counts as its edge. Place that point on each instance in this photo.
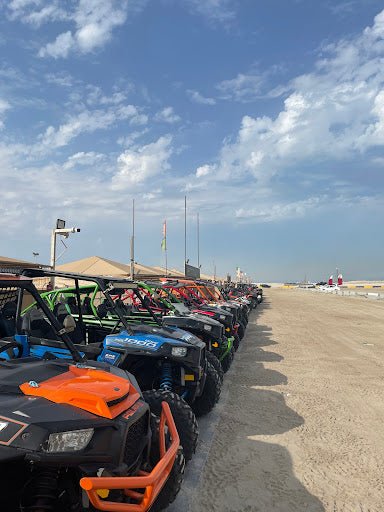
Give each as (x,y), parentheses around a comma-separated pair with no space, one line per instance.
(236,341)
(173,484)
(183,415)
(212,359)
(211,392)
(241,330)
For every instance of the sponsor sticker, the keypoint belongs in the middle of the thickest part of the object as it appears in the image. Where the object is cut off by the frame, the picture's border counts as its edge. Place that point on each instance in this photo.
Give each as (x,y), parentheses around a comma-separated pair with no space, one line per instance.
(149,344)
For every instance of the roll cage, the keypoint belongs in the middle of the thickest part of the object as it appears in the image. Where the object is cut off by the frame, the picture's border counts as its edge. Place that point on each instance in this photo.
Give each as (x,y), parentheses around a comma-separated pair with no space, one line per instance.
(20,285)
(109,286)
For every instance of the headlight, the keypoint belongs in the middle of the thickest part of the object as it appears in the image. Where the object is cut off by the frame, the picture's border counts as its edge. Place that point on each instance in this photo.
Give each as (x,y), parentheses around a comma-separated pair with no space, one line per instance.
(3,425)
(222,317)
(73,440)
(179,351)
(207,327)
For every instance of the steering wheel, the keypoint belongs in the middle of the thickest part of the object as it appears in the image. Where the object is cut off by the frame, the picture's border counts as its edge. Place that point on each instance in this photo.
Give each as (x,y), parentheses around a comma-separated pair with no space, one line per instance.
(13,344)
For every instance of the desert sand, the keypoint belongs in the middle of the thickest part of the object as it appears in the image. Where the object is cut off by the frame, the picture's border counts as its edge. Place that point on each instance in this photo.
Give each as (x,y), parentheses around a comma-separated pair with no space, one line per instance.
(300,424)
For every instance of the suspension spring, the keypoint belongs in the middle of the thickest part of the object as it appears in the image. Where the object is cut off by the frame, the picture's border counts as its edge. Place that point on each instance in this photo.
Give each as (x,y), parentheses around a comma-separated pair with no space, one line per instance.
(42,492)
(166,380)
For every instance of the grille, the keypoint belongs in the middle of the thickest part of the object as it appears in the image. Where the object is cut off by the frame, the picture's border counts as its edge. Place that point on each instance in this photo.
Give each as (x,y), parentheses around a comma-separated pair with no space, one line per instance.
(136,436)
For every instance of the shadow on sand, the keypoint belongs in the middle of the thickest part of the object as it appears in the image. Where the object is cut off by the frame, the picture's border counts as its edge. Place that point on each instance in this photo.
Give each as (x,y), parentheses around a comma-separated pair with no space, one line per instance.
(234,470)
(246,474)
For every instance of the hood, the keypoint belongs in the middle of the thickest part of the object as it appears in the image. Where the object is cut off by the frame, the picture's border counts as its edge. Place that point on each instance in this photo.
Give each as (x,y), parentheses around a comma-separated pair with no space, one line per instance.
(152,338)
(40,384)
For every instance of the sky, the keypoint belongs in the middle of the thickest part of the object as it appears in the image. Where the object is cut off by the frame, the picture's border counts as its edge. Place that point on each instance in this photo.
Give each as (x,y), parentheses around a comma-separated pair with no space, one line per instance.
(267,115)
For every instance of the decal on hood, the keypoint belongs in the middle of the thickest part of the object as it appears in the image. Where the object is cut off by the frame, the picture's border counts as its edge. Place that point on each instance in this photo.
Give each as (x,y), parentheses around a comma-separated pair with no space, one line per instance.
(134,342)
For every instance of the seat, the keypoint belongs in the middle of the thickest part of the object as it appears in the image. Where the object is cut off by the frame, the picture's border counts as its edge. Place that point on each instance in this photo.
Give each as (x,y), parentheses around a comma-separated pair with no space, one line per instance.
(125,308)
(34,324)
(8,319)
(86,307)
(67,320)
(72,304)
(103,308)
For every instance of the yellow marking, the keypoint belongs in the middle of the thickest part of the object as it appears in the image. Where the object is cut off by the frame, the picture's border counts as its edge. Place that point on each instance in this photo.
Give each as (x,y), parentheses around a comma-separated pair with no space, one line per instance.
(103,493)
(189,377)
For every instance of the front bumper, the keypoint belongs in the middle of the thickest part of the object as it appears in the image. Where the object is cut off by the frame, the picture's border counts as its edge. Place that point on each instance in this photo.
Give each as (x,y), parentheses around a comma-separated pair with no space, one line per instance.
(152,482)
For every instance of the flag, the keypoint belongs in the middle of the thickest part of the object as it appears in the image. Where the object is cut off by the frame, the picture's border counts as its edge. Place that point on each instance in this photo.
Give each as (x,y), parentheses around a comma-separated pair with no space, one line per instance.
(164,240)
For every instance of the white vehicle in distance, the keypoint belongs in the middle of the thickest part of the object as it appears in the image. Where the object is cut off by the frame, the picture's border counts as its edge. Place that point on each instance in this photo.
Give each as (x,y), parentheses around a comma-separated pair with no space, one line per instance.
(329,288)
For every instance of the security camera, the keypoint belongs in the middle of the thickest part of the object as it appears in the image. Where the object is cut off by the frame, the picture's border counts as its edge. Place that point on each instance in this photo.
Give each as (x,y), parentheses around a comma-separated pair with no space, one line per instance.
(75,230)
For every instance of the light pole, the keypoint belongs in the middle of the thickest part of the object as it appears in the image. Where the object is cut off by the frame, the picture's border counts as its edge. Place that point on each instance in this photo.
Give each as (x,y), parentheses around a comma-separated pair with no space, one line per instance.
(132,263)
(62,231)
(198,241)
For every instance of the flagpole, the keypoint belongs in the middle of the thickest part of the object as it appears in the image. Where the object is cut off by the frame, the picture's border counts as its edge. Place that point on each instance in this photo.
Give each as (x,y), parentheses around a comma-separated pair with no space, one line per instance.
(166,249)
(198,241)
(132,267)
(185,230)
(164,246)
(166,260)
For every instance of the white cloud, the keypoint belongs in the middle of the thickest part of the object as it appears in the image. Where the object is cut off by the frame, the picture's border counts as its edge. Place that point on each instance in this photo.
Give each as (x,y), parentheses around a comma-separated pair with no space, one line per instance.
(4,106)
(136,165)
(221,11)
(90,23)
(196,97)
(96,97)
(62,79)
(243,88)
(60,48)
(85,122)
(343,8)
(139,120)
(204,170)
(83,159)
(50,12)
(280,211)
(130,139)
(334,112)
(167,115)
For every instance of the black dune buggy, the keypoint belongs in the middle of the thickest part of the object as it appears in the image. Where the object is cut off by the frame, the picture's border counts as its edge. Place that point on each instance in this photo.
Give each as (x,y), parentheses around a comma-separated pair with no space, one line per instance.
(160,307)
(169,364)
(198,306)
(75,435)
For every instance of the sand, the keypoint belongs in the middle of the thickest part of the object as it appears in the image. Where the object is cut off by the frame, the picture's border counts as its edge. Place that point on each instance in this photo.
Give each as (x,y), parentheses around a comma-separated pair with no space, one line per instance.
(300,424)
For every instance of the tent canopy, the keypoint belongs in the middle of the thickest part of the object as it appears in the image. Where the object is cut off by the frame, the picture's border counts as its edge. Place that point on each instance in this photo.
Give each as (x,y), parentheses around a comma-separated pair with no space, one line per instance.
(95,265)
(13,265)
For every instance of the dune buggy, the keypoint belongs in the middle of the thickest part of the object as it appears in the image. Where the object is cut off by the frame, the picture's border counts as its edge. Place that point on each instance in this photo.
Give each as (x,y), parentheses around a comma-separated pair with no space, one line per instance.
(75,435)
(197,305)
(169,363)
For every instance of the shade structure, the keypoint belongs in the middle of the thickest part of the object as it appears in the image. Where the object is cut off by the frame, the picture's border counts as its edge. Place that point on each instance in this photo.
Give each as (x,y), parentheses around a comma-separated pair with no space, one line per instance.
(14,265)
(96,266)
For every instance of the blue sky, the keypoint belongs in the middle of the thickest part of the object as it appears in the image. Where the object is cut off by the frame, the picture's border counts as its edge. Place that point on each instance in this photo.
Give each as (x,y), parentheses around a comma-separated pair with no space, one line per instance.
(269,116)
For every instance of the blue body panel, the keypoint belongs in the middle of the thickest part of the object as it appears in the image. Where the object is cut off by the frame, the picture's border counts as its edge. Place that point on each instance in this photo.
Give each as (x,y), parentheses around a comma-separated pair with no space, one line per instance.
(40,351)
(143,341)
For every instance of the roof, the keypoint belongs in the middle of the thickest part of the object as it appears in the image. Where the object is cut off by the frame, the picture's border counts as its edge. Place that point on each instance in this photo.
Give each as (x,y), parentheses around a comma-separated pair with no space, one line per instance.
(14,264)
(95,265)
(98,266)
